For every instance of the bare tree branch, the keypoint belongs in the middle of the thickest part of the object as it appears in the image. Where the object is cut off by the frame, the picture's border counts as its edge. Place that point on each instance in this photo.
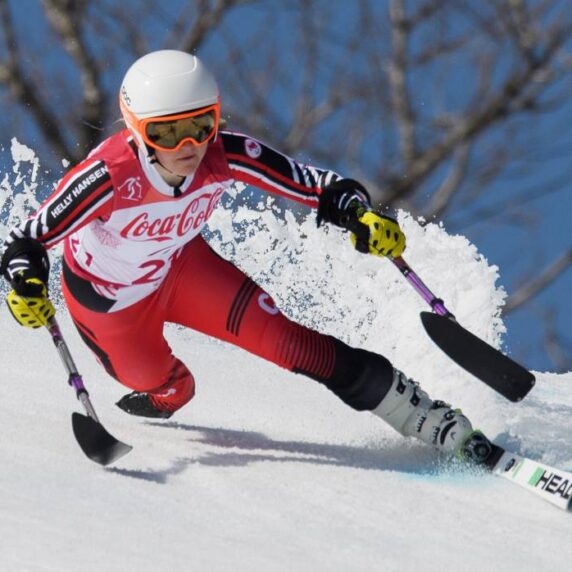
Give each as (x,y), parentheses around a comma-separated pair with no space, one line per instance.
(209,15)
(400,100)
(535,286)
(441,199)
(13,76)
(557,346)
(66,17)
(518,93)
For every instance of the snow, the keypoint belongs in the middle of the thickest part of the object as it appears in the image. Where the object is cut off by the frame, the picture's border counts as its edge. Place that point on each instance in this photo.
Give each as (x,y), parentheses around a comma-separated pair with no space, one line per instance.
(264,469)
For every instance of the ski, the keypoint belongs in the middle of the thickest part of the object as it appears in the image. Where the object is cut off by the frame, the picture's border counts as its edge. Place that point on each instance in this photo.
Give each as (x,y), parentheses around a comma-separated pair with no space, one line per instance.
(552,485)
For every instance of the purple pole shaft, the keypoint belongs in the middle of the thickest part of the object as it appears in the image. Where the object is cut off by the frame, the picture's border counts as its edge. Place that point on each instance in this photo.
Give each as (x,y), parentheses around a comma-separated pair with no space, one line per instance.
(77,382)
(75,379)
(437,305)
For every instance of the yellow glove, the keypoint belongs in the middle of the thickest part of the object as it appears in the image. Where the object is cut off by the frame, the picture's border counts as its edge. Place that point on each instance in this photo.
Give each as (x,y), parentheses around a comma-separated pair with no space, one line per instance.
(379,235)
(29,304)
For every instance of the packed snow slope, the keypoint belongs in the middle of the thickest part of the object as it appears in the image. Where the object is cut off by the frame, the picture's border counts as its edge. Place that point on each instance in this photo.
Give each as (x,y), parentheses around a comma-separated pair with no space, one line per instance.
(265,469)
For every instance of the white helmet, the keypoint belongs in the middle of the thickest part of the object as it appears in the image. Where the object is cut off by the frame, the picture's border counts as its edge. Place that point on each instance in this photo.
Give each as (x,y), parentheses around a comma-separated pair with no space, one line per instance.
(165,82)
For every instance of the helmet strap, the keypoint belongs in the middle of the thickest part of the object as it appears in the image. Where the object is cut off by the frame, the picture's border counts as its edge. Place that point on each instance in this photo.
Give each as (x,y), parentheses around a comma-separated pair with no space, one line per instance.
(154,159)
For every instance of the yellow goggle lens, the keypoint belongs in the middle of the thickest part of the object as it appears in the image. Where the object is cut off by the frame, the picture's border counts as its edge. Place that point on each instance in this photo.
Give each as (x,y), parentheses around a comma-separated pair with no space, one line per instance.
(169,133)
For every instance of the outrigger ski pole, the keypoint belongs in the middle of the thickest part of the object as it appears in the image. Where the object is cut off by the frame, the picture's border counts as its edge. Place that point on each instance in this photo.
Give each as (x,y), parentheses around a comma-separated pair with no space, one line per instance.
(92,437)
(488,364)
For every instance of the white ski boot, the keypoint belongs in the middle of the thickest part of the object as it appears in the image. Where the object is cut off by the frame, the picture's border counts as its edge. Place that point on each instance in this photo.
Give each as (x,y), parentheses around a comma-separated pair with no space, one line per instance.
(409,410)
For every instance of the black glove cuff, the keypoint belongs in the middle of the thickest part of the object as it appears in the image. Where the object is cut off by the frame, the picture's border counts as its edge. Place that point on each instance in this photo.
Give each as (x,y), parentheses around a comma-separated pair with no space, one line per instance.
(342,202)
(27,289)
(34,252)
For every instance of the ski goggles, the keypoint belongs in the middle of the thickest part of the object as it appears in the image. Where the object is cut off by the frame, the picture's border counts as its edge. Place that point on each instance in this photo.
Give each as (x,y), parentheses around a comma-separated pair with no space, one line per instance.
(171,132)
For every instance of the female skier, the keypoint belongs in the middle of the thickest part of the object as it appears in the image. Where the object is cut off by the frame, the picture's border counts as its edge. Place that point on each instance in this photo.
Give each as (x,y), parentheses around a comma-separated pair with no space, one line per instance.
(131,214)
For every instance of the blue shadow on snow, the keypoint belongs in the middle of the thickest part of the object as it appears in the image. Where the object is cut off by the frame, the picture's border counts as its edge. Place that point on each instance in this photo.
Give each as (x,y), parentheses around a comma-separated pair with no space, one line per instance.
(232,448)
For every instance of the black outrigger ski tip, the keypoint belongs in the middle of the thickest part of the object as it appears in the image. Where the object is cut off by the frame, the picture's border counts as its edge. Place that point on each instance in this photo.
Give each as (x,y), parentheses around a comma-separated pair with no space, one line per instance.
(100,446)
(488,364)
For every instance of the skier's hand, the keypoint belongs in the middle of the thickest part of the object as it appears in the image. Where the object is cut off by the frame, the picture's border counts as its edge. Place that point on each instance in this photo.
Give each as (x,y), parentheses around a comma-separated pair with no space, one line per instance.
(345,203)
(378,234)
(28,302)
(341,202)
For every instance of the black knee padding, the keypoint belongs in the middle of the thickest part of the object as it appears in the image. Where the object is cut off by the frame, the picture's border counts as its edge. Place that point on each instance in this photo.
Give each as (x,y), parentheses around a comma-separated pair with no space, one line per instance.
(360,378)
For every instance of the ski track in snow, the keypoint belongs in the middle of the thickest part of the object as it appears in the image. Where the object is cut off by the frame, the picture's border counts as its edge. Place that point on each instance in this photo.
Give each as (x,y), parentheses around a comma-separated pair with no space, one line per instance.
(266,470)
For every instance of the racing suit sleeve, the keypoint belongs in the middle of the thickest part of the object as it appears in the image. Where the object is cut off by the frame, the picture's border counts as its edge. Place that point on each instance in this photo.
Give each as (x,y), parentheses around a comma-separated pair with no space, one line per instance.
(254,163)
(83,194)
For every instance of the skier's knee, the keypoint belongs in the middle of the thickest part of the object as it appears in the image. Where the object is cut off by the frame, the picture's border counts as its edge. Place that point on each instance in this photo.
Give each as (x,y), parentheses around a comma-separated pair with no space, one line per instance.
(177,391)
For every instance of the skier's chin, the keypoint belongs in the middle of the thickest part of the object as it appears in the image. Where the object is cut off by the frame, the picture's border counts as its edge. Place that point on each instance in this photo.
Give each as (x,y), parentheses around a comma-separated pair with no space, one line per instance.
(183,162)
(186,165)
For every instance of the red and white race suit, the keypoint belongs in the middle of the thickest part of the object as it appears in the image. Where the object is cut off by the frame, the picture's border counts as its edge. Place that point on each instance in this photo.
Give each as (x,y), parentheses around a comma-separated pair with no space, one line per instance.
(134,259)
(123,225)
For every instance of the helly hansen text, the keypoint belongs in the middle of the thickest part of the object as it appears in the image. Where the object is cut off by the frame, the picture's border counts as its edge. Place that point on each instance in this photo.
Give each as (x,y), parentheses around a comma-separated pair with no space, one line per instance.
(76,190)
